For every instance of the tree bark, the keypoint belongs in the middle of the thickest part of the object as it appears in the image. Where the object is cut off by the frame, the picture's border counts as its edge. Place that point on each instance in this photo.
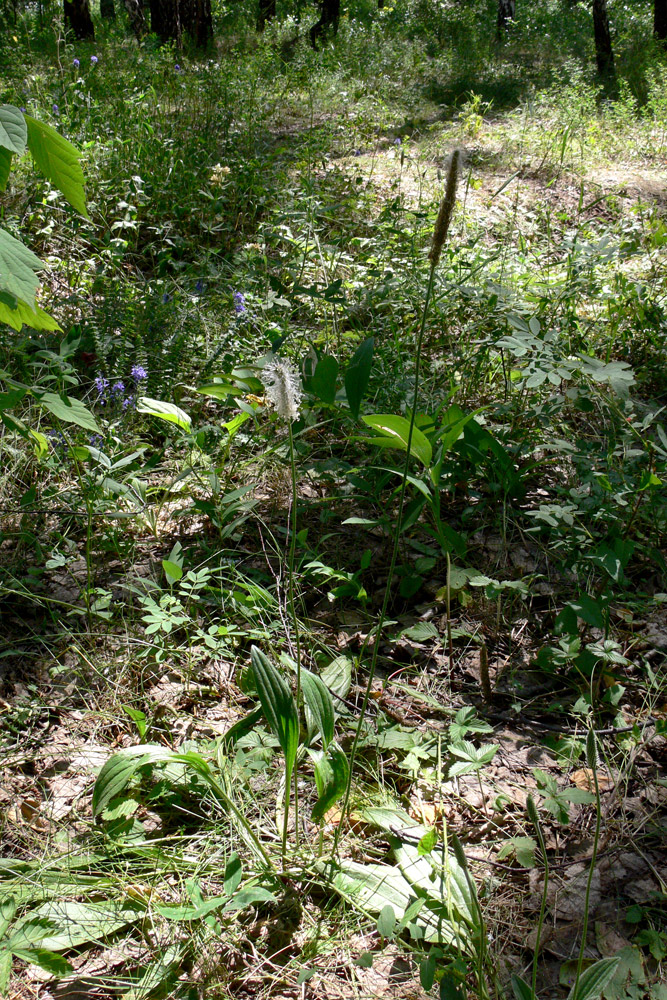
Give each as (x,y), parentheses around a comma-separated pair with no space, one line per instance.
(108,10)
(329,17)
(266,11)
(78,19)
(603,51)
(137,17)
(660,19)
(170,18)
(506,13)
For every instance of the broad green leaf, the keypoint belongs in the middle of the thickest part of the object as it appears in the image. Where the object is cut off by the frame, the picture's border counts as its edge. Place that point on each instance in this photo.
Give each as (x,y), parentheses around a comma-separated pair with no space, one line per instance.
(41,443)
(427,842)
(427,972)
(220,390)
(371,887)
(331,776)
(594,980)
(18,269)
(248,897)
(319,706)
(56,965)
(187,911)
(172,571)
(277,704)
(357,375)
(113,779)
(13,129)
(70,410)
(165,411)
(395,431)
(78,923)
(233,874)
(521,989)
(5,167)
(337,676)
(58,160)
(323,382)
(7,913)
(5,971)
(159,975)
(386,922)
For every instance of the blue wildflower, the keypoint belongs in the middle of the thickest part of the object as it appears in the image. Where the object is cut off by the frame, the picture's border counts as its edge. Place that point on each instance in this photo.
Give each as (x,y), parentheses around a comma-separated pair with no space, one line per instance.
(94,60)
(397,142)
(24,110)
(166,297)
(117,389)
(199,287)
(177,68)
(128,403)
(96,441)
(75,63)
(101,384)
(139,373)
(239,303)
(55,109)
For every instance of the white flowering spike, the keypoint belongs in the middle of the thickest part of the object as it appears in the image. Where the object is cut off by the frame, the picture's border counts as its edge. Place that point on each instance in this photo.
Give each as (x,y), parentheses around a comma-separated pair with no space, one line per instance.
(283,388)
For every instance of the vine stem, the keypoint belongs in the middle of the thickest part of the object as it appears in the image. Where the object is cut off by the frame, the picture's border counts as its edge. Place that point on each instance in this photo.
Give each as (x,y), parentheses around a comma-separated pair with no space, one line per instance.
(392,566)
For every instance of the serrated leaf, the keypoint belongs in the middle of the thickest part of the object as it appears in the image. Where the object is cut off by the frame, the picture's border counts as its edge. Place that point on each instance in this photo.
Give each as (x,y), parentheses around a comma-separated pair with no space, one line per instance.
(319,706)
(58,160)
(13,129)
(56,965)
(18,267)
(70,410)
(18,314)
(164,411)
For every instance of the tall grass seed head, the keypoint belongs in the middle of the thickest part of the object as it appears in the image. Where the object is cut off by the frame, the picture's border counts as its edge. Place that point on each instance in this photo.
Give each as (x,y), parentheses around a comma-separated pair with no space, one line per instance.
(446,209)
(283,388)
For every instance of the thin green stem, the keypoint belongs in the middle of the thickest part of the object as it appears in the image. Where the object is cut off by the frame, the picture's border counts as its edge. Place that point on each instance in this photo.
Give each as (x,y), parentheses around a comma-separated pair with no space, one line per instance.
(295,621)
(392,567)
(592,761)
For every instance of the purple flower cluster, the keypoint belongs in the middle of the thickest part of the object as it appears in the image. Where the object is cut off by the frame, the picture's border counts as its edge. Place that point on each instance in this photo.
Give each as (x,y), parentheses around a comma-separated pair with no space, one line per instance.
(112,394)
(239,303)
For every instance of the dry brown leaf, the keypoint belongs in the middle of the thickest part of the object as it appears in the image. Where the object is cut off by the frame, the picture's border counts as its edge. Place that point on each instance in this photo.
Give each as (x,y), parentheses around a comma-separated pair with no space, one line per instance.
(585,779)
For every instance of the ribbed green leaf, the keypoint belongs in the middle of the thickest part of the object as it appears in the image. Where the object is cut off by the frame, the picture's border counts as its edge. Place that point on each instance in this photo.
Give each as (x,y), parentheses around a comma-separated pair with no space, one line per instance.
(277,704)
(165,411)
(357,375)
(595,979)
(18,314)
(319,706)
(395,431)
(5,167)
(70,410)
(331,774)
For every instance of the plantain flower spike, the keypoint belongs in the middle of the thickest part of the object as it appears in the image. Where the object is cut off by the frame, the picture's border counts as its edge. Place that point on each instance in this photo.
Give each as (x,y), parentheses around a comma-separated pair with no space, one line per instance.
(446,210)
(283,388)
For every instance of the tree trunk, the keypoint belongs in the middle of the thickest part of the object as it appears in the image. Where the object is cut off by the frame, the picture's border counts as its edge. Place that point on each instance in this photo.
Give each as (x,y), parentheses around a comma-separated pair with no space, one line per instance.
(506,12)
(329,16)
(170,18)
(78,19)
(265,12)
(603,51)
(108,10)
(137,17)
(660,19)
